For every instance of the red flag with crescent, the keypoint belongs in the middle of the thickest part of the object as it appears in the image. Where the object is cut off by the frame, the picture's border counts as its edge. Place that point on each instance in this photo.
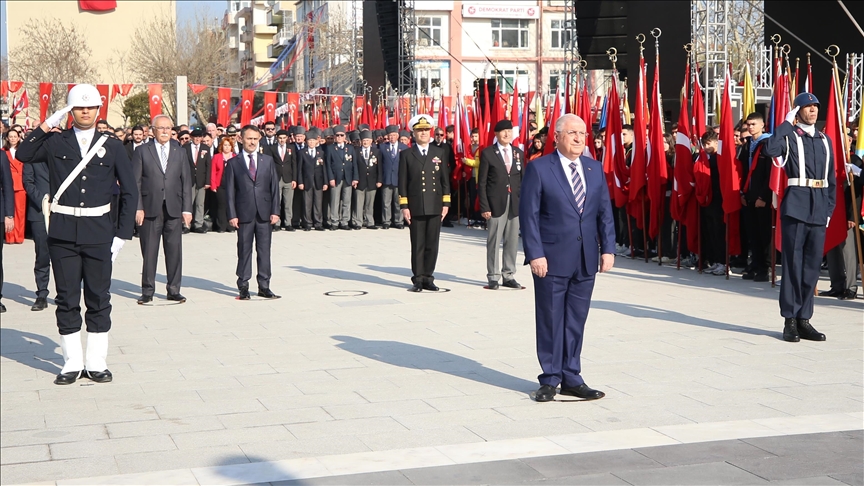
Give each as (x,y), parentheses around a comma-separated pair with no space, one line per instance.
(197,88)
(293,108)
(22,104)
(223,112)
(44,99)
(97,5)
(154,90)
(336,108)
(247,100)
(103,93)
(270,106)
(14,86)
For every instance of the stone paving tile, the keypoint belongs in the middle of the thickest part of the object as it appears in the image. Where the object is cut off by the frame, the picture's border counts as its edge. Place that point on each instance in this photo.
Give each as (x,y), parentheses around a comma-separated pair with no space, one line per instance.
(176,410)
(163,426)
(499,472)
(294,448)
(51,470)
(211,438)
(703,452)
(590,463)
(345,427)
(695,474)
(588,479)
(52,436)
(258,419)
(23,454)
(109,447)
(811,481)
(177,459)
(420,438)
(856,479)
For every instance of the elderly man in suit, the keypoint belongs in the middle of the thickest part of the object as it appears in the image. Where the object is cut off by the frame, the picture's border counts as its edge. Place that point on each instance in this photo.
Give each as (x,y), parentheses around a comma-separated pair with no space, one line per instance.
(369,168)
(163,177)
(284,153)
(252,188)
(199,164)
(312,180)
(567,229)
(499,183)
(7,211)
(343,176)
(390,150)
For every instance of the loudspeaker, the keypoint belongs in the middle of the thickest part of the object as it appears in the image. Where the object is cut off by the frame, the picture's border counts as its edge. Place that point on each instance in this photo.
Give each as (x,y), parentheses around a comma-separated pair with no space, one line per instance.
(489,85)
(599,26)
(388,33)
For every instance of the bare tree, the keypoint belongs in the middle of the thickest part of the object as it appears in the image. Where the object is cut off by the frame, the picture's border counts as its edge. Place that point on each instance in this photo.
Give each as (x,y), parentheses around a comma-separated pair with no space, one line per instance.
(746,32)
(332,55)
(198,50)
(4,67)
(53,51)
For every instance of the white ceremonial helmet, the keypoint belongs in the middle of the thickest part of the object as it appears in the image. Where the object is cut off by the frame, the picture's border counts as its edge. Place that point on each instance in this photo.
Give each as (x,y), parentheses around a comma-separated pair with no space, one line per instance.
(83,96)
(421,122)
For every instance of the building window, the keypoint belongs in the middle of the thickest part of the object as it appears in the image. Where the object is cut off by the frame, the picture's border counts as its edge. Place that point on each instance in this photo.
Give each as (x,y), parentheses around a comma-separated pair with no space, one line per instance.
(428,31)
(556,80)
(510,34)
(560,35)
(508,78)
(428,79)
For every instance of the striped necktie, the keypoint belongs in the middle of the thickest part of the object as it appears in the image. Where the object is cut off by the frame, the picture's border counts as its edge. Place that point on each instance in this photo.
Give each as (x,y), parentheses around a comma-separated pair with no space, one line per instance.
(578,187)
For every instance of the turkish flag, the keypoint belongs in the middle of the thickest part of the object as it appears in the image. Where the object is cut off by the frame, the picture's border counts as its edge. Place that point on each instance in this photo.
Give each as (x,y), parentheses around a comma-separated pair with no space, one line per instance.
(14,86)
(835,130)
(115,90)
(336,109)
(197,88)
(223,112)
(125,88)
(270,106)
(246,107)
(97,5)
(4,88)
(22,104)
(44,99)
(293,107)
(103,93)
(154,91)
(656,167)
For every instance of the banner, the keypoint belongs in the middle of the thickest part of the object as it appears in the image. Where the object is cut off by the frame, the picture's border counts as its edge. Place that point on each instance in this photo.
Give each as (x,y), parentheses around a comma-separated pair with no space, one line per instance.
(103,93)
(248,98)
(44,99)
(197,88)
(269,106)
(154,91)
(293,102)
(97,5)
(223,112)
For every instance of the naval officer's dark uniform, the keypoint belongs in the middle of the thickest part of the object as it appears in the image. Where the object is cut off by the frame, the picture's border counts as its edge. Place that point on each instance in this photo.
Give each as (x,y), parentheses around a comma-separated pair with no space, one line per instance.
(424,189)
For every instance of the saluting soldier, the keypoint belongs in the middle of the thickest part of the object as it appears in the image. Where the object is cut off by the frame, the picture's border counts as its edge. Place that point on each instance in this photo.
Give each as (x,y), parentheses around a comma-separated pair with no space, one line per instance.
(424,197)
(84,168)
(804,212)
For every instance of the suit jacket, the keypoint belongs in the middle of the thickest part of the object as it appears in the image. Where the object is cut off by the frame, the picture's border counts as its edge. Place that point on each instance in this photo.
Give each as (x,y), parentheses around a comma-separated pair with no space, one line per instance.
(286,167)
(390,163)
(36,184)
(246,197)
(130,148)
(93,187)
(7,198)
(200,170)
(312,171)
(495,183)
(760,174)
(341,163)
(370,169)
(173,186)
(552,226)
(424,183)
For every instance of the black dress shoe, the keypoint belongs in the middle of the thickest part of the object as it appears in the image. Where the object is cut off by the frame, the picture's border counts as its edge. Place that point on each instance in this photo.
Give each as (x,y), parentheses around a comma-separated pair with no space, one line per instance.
(319,228)
(430,286)
(185,230)
(307,228)
(244,294)
(806,331)
(276,228)
(492,285)
(200,231)
(145,299)
(831,293)
(176,298)
(761,277)
(2,308)
(372,227)
(583,391)
(447,224)
(400,226)
(332,228)
(386,226)
(546,393)
(289,228)
(790,330)
(344,227)
(511,284)
(748,275)
(848,294)
(67,378)
(99,376)
(416,288)
(357,227)
(42,304)
(267,294)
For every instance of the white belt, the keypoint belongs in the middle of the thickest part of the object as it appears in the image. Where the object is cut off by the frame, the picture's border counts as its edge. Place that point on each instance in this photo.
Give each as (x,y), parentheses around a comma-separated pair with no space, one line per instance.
(80,212)
(814,183)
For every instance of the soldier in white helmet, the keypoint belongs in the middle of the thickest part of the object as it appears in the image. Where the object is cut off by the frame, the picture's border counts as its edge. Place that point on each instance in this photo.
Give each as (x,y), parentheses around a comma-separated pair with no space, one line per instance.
(84,166)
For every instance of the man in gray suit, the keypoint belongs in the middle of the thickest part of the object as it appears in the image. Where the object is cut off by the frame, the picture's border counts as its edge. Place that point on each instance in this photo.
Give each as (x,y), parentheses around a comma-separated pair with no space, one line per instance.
(251,182)
(164,178)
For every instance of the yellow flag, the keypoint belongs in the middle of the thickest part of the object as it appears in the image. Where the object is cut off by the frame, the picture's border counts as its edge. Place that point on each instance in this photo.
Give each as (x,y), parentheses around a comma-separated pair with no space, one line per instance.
(748,97)
(859,145)
(538,112)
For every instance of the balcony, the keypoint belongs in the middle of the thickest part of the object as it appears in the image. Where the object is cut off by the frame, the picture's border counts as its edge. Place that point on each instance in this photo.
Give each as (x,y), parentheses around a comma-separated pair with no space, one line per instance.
(264,29)
(274,17)
(232,42)
(274,51)
(246,36)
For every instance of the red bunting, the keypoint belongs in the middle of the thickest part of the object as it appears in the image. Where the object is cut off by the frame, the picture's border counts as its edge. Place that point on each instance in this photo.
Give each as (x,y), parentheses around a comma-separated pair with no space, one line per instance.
(14,86)
(223,113)
(197,88)
(115,90)
(293,101)
(103,93)
(125,88)
(246,107)
(44,99)
(154,91)
(270,106)
(4,88)
(97,5)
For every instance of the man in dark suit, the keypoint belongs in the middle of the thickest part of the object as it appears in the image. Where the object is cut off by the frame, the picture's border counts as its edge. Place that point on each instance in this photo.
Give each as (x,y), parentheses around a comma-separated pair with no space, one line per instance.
(162,175)
(82,240)
(567,228)
(252,189)
(390,178)
(198,156)
(369,167)
(312,180)
(424,196)
(342,174)
(499,183)
(37,184)
(807,204)
(7,211)
(286,165)
(137,140)
(270,136)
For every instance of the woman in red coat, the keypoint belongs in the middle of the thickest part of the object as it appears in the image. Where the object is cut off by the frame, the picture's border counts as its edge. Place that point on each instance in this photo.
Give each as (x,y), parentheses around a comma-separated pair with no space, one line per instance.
(16,236)
(217,167)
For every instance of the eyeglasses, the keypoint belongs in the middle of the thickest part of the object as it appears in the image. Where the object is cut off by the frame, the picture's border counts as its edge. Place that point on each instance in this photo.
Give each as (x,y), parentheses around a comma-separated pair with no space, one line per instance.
(439,134)
(185,139)
(340,134)
(269,128)
(163,129)
(575,134)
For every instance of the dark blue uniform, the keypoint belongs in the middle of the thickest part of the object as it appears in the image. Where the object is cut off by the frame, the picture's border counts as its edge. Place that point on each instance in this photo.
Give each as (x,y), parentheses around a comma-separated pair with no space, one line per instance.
(7,209)
(80,247)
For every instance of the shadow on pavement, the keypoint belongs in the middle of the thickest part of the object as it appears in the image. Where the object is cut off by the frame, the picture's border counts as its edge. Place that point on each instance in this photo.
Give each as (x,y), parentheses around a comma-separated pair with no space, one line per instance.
(128,290)
(17,293)
(33,350)
(418,357)
(244,469)
(353,276)
(406,272)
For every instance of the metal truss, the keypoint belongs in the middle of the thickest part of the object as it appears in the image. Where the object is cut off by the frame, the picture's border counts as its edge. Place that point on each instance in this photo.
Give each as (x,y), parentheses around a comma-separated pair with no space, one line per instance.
(407,32)
(709,34)
(572,58)
(855,85)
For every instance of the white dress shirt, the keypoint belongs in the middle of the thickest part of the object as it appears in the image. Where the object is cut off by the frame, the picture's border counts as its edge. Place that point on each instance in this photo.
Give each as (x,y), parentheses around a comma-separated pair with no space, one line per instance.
(565,164)
(85,138)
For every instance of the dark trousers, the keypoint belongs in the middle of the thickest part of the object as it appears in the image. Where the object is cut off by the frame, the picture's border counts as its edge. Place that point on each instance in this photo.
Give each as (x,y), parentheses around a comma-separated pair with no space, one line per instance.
(425,231)
(561,306)
(221,209)
(802,256)
(313,203)
(42,268)
(260,233)
(2,240)
(759,233)
(168,231)
(667,245)
(72,264)
(622,235)
(713,234)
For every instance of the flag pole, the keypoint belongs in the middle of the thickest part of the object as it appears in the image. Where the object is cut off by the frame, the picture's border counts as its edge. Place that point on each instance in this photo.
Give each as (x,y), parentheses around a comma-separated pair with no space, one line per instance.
(644,231)
(773,249)
(678,265)
(727,247)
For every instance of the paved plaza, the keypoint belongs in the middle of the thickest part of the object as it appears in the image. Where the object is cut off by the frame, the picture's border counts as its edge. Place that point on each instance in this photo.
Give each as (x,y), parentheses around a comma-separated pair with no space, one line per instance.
(392,387)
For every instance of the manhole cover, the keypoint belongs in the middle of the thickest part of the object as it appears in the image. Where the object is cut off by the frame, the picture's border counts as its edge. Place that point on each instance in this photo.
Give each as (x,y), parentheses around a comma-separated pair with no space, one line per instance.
(345,293)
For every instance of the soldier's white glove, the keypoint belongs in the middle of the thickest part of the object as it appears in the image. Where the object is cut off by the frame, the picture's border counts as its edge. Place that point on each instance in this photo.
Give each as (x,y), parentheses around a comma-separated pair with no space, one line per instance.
(790,117)
(854,169)
(115,247)
(54,120)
